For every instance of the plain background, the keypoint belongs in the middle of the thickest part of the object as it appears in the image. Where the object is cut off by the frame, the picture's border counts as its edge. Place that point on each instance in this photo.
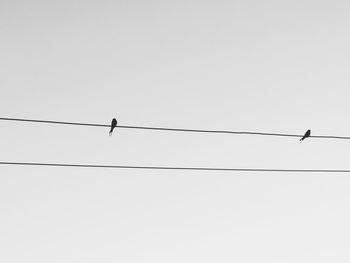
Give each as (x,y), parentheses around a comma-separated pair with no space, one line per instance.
(272,66)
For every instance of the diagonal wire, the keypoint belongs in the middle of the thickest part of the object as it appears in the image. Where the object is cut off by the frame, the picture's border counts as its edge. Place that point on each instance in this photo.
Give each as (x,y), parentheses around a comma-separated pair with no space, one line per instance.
(176,129)
(177,168)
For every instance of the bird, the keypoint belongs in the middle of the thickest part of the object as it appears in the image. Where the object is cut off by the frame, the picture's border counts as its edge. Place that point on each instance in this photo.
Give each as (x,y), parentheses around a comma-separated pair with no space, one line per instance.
(113,125)
(307,134)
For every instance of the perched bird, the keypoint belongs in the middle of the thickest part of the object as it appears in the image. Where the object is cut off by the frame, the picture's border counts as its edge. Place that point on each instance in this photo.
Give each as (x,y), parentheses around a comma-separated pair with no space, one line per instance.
(113,125)
(307,134)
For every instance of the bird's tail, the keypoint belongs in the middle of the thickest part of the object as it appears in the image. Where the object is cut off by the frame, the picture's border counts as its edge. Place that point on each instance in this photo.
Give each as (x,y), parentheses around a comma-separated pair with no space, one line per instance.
(111,132)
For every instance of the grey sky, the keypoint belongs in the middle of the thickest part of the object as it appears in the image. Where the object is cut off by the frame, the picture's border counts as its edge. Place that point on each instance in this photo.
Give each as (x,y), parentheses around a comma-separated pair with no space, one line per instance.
(274,66)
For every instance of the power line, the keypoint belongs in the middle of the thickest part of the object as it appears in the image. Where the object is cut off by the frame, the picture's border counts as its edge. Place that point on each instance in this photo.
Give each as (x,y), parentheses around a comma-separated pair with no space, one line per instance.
(177,168)
(176,129)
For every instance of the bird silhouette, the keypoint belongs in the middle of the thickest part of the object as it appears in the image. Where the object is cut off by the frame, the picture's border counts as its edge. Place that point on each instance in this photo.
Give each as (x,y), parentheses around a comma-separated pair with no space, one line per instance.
(307,134)
(113,125)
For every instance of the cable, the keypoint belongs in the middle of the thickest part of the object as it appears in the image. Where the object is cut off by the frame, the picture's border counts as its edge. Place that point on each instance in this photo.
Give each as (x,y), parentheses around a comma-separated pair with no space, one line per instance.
(177,168)
(178,129)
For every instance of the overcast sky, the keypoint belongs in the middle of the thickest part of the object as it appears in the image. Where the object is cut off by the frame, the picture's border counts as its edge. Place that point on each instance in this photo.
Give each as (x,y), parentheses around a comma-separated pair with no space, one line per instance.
(271,66)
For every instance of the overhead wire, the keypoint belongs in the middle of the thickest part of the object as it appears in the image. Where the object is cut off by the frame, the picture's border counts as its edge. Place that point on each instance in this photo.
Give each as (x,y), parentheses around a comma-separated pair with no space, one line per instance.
(208,169)
(171,167)
(175,129)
